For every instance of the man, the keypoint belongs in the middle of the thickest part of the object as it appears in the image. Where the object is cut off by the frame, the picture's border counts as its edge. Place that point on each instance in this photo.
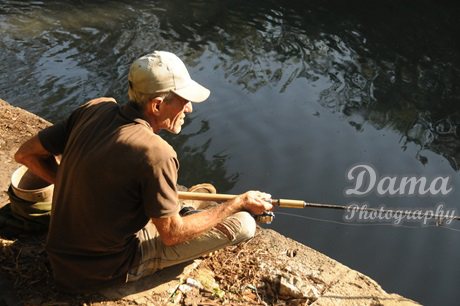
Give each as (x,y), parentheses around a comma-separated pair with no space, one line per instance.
(115,213)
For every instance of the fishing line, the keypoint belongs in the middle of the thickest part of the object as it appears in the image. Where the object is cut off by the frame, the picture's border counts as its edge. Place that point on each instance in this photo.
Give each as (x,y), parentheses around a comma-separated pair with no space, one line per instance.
(367,224)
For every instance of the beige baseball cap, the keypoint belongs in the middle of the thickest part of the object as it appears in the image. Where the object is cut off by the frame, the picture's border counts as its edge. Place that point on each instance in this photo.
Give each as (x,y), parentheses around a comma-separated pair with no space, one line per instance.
(163,71)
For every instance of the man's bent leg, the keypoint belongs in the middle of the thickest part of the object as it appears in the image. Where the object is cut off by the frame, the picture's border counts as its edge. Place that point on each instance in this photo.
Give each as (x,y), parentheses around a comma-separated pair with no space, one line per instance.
(235,229)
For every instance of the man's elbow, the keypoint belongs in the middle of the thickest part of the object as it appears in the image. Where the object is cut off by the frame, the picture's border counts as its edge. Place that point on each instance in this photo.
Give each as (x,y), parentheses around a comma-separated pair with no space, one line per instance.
(20,157)
(30,151)
(170,229)
(23,157)
(169,241)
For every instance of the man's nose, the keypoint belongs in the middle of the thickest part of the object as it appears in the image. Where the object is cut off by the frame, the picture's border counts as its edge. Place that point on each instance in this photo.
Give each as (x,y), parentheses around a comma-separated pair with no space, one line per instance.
(188,107)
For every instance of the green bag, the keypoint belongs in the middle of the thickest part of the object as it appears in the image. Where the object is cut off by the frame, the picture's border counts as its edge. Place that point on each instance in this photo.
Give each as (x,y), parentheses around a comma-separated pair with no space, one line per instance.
(21,214)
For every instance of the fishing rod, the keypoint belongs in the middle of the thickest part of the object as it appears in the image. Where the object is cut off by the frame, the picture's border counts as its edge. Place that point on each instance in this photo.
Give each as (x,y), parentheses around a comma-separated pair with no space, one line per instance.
(268,216)
(217,197)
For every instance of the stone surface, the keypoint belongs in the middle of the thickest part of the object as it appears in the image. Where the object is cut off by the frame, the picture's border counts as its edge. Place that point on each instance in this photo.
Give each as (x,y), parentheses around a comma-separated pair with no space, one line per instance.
(162,283)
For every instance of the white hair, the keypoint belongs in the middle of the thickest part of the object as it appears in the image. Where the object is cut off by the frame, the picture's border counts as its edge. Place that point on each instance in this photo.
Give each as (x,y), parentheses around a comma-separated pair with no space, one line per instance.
(141,99)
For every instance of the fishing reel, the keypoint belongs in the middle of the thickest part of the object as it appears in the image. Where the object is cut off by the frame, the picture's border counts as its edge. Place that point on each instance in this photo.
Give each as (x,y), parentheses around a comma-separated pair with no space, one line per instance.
(266,217)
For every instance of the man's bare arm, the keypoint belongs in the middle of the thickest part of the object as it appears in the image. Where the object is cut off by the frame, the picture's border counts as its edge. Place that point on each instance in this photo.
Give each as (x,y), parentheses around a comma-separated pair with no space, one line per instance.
(177,229)
(33,155)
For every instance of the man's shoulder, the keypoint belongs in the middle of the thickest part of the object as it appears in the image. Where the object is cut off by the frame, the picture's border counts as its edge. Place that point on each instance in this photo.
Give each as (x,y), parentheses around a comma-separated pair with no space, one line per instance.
(145,141)
(160,148)
(102,101)
(94,106)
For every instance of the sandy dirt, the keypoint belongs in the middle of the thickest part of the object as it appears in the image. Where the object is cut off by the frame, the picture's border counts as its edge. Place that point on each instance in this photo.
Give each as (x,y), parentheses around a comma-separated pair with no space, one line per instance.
(16,126)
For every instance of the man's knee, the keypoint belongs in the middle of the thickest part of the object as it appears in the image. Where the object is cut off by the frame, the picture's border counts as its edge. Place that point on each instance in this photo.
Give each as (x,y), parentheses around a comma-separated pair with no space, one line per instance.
(247,226)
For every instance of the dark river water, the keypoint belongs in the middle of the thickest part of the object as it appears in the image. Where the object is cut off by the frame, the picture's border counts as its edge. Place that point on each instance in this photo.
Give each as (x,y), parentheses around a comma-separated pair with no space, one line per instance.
(301,92)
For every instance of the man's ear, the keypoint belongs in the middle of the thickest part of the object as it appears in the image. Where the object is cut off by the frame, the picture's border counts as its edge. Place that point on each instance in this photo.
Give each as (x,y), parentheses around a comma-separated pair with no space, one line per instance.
(155,105)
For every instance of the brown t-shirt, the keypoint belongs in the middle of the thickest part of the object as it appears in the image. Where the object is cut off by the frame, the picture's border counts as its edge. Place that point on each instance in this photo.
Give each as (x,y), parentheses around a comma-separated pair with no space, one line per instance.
(115,174)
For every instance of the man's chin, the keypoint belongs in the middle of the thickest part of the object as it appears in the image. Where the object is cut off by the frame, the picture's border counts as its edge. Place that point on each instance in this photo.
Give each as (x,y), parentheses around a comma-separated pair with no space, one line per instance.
(175,130)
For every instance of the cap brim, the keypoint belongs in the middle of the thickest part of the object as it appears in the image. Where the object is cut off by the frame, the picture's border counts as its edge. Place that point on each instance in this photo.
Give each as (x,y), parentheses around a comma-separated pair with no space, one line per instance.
(193,92)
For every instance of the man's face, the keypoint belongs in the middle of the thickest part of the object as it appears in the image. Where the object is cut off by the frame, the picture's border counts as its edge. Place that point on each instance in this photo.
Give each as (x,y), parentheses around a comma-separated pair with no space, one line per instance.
(172,114)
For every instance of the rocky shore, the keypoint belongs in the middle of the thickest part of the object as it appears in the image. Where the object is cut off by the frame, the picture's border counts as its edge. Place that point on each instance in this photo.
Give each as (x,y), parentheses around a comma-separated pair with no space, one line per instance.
(268,270)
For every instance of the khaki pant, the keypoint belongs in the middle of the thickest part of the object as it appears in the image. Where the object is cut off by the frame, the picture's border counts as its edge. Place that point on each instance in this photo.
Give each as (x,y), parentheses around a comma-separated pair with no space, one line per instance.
(235,229)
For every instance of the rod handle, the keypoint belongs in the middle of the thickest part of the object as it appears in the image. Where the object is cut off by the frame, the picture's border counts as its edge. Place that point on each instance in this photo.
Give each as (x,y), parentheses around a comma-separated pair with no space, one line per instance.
(217,197)
(289,203)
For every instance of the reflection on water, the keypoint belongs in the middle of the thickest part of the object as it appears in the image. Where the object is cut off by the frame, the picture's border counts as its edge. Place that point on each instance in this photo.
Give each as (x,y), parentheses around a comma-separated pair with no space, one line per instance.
(281,74)
(391,75)
(195,165)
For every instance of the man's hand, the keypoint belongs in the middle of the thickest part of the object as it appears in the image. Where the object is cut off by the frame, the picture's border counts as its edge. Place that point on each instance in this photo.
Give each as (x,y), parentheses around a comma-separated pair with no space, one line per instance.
(255,202)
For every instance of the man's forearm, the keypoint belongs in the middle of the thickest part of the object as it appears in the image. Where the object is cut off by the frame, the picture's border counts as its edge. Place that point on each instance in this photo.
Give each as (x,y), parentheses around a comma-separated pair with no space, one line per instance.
(46,168)
(177,229)
(181,229)
(196,224)
(37,159)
